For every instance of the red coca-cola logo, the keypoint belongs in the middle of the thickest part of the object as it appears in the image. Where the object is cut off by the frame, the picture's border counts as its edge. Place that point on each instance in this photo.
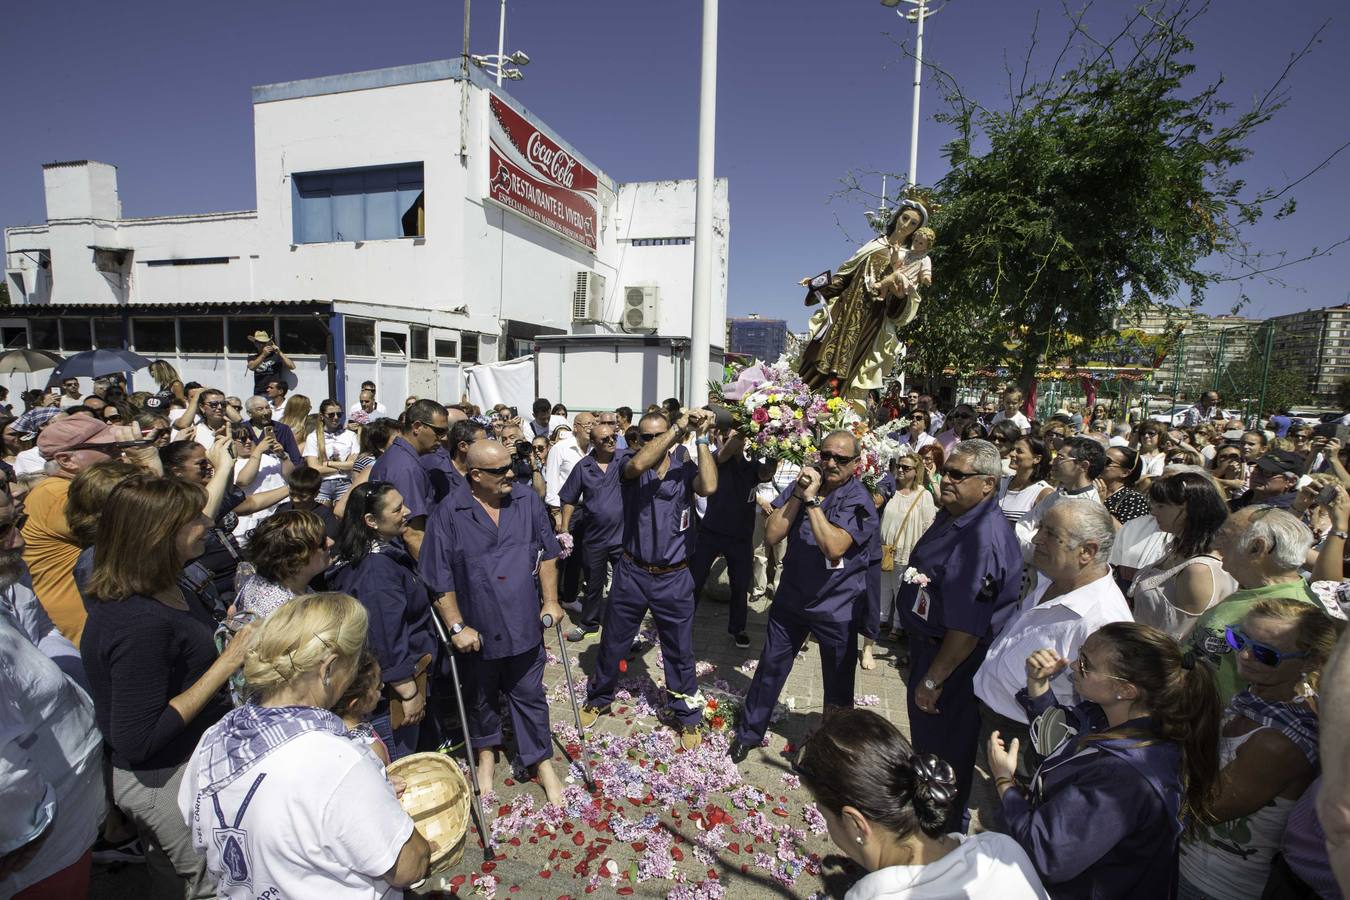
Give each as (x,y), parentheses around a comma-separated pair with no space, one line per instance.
(557,163)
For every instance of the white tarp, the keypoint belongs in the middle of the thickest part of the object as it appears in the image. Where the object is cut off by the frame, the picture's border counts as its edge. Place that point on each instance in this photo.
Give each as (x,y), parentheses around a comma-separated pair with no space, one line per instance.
(510,382)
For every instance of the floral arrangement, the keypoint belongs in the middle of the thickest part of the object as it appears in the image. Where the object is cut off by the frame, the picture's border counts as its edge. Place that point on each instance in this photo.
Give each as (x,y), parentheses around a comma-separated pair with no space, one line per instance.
(914,576)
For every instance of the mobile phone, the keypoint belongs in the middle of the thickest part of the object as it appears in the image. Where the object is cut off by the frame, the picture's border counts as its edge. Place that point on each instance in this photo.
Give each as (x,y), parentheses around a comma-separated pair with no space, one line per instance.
(1303,482)
(1326,495)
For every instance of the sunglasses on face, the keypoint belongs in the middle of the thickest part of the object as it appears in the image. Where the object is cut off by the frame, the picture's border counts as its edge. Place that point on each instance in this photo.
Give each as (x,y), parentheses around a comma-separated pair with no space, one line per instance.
(1177,460)
(1227,457)
(826,456)
(1262,653)
(906,469)
(956,476)
(499,471)
(440,432)
(1084,670)
(214,404)
(648,438)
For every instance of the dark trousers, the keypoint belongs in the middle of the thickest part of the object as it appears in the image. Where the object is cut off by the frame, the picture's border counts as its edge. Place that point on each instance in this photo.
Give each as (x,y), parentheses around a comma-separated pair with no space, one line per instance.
(740,556)
(783,637)
(1028,761)
(953,732)
(1283,884)
(572,568)
(519,680)
(670,597)
(594,558)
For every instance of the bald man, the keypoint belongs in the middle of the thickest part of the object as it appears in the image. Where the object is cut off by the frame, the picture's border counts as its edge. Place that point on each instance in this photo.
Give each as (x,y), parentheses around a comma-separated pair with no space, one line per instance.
(488,554)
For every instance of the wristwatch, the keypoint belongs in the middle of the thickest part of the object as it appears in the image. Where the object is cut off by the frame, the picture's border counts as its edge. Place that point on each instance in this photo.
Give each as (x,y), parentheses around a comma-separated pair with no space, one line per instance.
(1336,532)
(457,628)
(812,502)
(930,685)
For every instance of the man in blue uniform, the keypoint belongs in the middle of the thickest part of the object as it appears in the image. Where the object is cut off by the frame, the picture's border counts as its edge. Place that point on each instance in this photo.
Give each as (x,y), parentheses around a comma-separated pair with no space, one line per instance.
(659,482)
(969,572)
(425,426)
(446,464)
(829,520)
(594,484)
(727,527)
(488,553)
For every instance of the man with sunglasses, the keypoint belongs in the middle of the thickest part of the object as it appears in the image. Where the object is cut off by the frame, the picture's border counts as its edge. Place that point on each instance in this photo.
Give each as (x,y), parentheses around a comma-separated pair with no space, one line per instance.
(963,589)
(659,482)
(830,522)
(958,419)
(447,464)
(1076,469)
(1274,481)
(425,426)
(1263,548)
(488,555)
(262,427)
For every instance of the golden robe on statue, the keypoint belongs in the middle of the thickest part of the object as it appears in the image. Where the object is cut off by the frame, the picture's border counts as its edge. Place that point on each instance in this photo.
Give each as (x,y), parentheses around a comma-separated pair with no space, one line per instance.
(855,336)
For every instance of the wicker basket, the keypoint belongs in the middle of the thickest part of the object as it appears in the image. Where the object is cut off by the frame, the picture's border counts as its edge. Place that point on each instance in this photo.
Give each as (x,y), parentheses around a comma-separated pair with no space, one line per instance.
(437,798)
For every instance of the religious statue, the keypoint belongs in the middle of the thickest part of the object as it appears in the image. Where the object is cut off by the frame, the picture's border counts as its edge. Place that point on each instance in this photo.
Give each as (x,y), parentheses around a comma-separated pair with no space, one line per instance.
(854,336)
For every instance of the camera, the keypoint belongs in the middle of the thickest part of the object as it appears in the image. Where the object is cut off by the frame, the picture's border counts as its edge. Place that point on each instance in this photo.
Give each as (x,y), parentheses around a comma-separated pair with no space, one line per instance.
(523,449)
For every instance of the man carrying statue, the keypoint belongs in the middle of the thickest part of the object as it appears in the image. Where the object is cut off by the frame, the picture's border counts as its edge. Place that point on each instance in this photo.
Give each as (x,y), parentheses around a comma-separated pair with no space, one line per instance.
(855,335)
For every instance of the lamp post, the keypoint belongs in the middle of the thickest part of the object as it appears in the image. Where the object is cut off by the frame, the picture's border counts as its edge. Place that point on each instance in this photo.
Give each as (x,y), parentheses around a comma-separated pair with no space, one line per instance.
(700,332)
(921,10)
(496,63)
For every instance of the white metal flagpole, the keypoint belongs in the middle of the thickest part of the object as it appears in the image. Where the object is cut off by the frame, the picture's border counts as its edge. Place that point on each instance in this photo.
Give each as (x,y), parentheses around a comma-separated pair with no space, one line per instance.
(501,41)
(918,75)
(701,328)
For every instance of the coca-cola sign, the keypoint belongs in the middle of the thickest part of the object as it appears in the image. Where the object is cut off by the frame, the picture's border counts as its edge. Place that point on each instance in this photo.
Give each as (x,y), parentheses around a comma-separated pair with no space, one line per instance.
(529,173)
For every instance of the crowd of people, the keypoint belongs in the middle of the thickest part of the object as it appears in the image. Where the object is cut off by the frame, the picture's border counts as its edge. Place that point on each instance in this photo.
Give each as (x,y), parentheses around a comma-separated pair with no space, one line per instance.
(222,617)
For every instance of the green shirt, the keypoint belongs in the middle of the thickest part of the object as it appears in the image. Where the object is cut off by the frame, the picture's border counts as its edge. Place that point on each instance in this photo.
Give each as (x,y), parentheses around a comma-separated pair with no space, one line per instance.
(1208,640)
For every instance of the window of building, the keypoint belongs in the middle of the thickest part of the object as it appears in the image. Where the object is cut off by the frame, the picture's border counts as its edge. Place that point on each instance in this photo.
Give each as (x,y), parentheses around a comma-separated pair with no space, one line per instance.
(241,328)
(446,349)
(469,350)
(393,343)
(419,336)
(108,333)
(202,335)
(43,334)
(75,335)
(304,335)
(154,336)
(13,337)
(662,242)
(360,338)
(195,261)
(370,204)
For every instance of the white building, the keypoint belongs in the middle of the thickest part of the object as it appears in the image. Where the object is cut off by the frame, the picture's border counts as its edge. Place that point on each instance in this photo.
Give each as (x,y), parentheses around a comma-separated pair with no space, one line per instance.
(411,222)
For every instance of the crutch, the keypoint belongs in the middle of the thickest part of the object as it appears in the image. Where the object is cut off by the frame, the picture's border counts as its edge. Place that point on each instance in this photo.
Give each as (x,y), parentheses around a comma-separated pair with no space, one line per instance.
(571,694)
(483,832)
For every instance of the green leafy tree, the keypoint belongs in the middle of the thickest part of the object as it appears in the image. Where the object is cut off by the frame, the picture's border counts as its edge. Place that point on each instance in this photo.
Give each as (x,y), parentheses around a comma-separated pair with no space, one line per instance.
(1343,394)
(1284,387)
(1105,186)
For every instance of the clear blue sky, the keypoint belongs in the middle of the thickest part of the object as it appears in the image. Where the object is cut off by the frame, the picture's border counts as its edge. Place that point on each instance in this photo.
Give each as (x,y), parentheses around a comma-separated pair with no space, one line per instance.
(808,89)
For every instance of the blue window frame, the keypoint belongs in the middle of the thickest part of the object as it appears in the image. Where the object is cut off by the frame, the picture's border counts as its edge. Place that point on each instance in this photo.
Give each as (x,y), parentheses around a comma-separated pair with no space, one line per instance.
(369,204)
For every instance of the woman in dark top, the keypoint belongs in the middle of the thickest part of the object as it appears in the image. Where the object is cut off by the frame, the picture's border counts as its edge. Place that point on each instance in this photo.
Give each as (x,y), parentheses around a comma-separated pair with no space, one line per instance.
(1117,485)
(376,569)
(1124,772)
(151,659)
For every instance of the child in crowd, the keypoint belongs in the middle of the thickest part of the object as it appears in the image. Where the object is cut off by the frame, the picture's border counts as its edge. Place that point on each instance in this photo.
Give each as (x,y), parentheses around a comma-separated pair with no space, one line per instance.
(355,706)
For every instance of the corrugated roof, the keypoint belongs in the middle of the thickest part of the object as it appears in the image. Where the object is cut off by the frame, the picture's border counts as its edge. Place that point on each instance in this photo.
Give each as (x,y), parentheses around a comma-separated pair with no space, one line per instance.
(197,306)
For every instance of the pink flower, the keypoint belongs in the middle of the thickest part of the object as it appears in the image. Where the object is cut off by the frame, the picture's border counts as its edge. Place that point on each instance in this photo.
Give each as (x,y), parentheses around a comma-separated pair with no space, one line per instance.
(760,415)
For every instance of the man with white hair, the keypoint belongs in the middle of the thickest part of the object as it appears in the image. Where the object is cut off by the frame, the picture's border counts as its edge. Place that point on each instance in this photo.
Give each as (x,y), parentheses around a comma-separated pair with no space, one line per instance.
(1263,548)
(1076,469)
(1074,596)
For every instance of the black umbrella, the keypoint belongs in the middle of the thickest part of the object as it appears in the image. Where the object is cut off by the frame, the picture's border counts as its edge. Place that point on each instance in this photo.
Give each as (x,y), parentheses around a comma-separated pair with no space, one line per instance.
(97,363)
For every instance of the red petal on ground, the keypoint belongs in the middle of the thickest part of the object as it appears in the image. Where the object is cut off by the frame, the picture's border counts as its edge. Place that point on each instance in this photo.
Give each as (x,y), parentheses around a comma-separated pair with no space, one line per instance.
(590,888)
(552,854)
(734,847)
(514,842)
(677,854)
(567,827)
(499,857)
(566,854)
(503,810)
(622,710)
(623,665)
(582,868)
(514,889)
(712,873)
(488,867)
(642,764)
(625,890)
(639,846)
(546,873)
(458,880)
(780,812)
(578,838)
(510,781)
(744,868)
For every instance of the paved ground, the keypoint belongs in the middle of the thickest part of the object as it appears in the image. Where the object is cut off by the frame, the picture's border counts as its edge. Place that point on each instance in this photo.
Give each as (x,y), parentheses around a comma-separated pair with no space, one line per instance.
(636,830)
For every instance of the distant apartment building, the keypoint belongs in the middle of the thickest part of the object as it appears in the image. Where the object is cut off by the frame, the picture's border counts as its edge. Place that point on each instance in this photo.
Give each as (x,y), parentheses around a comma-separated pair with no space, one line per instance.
(1205,347)
(1315,343)
(760,338)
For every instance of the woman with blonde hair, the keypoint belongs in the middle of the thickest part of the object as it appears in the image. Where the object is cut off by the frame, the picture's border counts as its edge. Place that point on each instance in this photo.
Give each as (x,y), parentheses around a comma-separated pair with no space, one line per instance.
(277,793)
(904,519)
(1267,748)
(154,674)
(295,415)
(170,393)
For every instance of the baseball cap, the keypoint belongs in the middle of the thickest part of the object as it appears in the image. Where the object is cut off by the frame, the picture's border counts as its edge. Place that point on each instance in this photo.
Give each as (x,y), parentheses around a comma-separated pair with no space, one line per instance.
(72,431)
(1279,462)
(260,336)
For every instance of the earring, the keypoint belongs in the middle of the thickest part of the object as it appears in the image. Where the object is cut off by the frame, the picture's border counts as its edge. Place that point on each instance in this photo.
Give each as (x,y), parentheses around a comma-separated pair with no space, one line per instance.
(858,839)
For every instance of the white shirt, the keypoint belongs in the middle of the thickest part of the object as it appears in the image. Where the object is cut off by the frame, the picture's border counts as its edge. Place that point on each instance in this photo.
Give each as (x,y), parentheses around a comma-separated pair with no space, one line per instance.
(51,762)
(1139,542)
(29,462)
(1017,418)
(277,411)
(1151,466)
(269,477)
(340,446)
(562,456)
(1061,624)
(987,864)
(377,413)
(322,823)
(917,444)
(202,434)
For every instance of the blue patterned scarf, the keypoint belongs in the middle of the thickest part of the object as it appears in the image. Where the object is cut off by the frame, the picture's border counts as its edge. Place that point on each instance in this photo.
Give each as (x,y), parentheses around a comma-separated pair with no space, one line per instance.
(1295,720)
(234,744)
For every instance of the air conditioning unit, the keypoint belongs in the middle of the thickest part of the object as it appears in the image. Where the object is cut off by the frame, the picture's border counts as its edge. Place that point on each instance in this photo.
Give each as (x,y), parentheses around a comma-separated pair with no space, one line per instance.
(588,297)
(639,308)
